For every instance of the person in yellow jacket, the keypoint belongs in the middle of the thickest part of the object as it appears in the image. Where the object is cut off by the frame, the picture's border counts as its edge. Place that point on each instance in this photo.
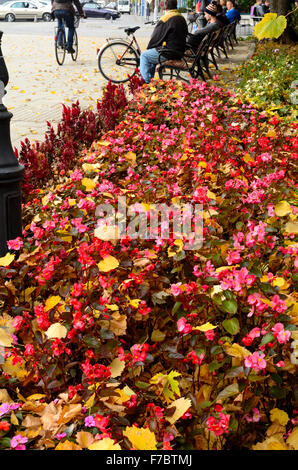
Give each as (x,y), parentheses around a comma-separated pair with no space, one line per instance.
(168,38)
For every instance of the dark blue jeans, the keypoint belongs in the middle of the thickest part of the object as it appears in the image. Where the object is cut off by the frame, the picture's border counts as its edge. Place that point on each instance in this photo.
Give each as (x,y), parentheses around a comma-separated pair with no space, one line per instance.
(69,20)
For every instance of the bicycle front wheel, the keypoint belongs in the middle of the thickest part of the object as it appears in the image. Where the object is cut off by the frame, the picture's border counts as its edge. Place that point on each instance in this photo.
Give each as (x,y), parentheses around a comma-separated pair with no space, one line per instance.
(117,60)
(60,46)
(75,46)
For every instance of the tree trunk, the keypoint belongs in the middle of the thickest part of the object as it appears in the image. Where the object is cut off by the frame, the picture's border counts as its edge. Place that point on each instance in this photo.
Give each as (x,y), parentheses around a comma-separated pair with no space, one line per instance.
(282,7)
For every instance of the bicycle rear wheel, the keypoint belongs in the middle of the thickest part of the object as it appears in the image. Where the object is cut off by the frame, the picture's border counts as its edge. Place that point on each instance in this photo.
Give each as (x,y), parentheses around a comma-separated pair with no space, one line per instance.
(60,46)
(117,60)
(75,46)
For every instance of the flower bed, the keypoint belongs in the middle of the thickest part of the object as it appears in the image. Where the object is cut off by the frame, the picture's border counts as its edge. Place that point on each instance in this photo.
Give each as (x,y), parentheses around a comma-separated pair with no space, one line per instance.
(267,78)
(140,343)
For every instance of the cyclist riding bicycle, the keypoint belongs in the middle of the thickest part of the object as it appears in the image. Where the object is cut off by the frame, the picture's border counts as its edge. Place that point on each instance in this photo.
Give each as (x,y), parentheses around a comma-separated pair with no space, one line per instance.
(63,9)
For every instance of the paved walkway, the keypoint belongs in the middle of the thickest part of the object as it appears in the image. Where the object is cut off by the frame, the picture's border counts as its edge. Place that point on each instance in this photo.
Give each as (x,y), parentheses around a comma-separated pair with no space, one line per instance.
(38,86)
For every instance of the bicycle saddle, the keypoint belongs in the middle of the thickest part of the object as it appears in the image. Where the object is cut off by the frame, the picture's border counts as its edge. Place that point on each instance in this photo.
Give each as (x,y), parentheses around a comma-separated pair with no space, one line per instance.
(130,31)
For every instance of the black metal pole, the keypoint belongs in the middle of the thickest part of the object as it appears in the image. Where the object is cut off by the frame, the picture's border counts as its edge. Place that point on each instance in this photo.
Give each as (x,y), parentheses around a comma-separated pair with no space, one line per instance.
(11,172)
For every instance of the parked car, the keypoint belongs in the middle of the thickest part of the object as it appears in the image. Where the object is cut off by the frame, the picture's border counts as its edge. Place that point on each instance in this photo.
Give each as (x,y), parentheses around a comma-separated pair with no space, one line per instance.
(112,5)
(11,11)
(93,10)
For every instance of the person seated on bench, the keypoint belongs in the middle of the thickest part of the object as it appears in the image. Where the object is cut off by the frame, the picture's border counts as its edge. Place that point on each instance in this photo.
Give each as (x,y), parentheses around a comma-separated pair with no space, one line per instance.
(170,33)
(213,24)
(232,14)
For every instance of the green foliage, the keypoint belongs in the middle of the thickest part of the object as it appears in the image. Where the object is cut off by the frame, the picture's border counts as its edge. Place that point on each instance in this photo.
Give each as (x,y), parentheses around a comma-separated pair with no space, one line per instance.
(266,79)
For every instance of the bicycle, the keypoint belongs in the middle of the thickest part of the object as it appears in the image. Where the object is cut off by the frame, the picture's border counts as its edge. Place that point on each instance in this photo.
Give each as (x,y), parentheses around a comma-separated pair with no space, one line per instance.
(120,57)
(60,41)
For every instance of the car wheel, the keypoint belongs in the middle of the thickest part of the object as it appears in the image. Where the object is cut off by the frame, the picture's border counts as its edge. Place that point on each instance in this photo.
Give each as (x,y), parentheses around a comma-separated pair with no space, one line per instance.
(10,17)
(47,17)
(108,16)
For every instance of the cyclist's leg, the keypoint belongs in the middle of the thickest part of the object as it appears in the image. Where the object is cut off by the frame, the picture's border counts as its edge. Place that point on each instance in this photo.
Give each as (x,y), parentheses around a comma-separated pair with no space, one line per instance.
(69,20)
(59,14)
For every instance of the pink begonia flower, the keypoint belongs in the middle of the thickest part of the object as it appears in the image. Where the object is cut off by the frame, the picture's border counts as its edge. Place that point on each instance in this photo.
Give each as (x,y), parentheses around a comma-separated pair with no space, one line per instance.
(15,244)
(18,441)
(220,426)
(210,335)
(256,361)
(89,422)
(278,304)
(196,271)
(61,435)
(233,257)
(280,364)
(49,224)
(183,326)
(76,175)
(176,289)
(255,417)
(280,333)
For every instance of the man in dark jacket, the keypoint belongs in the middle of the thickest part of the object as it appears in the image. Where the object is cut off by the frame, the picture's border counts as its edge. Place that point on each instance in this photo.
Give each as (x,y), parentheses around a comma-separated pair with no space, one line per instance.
(169,33)
(63,9)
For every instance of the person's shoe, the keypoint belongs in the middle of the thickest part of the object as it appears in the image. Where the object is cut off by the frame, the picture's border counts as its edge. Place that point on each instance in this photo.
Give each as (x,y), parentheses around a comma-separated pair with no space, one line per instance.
(70,50)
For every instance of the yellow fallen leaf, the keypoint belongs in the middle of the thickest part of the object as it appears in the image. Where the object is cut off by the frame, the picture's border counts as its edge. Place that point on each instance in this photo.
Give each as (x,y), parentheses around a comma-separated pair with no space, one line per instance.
(112,307)
(89,184)
(131,157)
(293,438)
(7,259)
(67,445)
(104,444)
(35,396)
(292,227)
(90,401)
(84,439)
(5,338)
(51,302)
(279,415)
(236,350)
(117,367)
(107,232)
(56,330)
(181,405)
(108,264)
(140,438)
(282,209)
(135,303)
(14,370)
(206,327)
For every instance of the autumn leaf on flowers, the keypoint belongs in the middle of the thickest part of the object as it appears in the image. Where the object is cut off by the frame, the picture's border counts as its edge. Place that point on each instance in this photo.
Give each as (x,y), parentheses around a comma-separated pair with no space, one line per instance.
(140,438)
(67,445)
(51,302)
(84,439)
(5,338)
(168,383)
(206,327)
(107,232)
(56,331)
(280,416)
(108,263)
(282,209)
(89,184)
(104,444)
(117,367)
(236,350)
(293,438)
(7,259)
(14,370)
(179,407)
